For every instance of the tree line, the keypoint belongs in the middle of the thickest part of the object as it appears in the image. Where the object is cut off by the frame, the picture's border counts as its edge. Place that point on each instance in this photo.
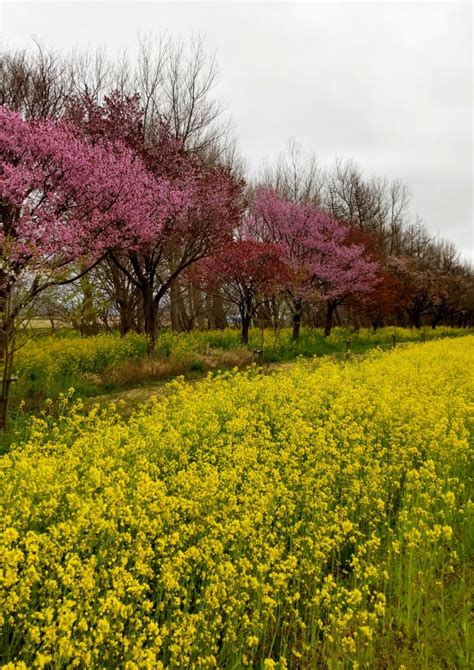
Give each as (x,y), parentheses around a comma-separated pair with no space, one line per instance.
(125,205)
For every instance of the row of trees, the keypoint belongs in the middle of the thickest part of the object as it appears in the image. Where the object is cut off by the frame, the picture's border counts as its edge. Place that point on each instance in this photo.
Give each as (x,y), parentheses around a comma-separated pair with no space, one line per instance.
(122,201)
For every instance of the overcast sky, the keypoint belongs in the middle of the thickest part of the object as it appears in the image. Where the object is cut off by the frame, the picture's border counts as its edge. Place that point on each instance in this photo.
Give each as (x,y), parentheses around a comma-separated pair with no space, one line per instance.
(386,84)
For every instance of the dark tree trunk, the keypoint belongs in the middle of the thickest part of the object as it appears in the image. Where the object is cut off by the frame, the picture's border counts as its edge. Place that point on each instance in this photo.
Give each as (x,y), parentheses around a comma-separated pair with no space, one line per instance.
(4,298)
(7,336)
(296,326)
(88,323)
(176,307)
(297,320)
(127,298)
(219,320)
(329,318)
(439,314)
(125,317)
(150,320)
(246,320)
(416,320)
(400,320)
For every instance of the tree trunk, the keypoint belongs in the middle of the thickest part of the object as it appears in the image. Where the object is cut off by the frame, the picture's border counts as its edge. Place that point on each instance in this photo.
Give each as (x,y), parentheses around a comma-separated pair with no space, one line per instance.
(297,320)
(215,313)
(246,319)
(88,319)
(174,307)
(4,301)
(218,313)
(185,322)
(7,336)
(197,311)
(296,326)
(329,317)
(150,321)
(416,320)
(125,317)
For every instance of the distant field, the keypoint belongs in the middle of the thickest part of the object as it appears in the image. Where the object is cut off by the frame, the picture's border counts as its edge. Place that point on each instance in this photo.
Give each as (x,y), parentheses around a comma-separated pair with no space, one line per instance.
(45,324)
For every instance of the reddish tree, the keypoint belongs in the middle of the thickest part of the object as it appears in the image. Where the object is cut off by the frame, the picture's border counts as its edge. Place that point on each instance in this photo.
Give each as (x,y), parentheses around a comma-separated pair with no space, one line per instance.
(422,289)
(318,249)
(384,301)
(248,273)
(386,298)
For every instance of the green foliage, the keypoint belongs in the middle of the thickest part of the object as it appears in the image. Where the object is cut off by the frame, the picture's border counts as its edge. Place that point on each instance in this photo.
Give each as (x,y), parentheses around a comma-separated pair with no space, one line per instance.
(50,365)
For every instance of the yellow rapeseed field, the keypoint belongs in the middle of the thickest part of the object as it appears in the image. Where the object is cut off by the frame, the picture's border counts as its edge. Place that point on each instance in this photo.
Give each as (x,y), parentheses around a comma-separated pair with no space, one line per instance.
(301,519)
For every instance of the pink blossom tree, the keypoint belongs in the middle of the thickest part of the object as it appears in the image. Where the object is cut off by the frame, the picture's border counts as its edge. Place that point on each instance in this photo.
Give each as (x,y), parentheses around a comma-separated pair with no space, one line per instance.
(324,262)
(63,198)
(195,224)
(63,203)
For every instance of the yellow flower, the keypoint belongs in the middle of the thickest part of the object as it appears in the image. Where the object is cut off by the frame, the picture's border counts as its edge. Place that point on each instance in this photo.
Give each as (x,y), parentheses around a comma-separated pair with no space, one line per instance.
(248,512)
(269,664)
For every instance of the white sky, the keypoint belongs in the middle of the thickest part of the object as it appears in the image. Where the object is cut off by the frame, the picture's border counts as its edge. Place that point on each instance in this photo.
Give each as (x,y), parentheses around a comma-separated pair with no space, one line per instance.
(386,84)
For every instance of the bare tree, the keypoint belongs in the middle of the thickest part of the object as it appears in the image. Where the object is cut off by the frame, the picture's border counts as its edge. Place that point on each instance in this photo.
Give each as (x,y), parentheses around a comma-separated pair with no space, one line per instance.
(350,197)
(36,83)
(398,205)
(91,73)
(295,175)
(176,84)
(374,205)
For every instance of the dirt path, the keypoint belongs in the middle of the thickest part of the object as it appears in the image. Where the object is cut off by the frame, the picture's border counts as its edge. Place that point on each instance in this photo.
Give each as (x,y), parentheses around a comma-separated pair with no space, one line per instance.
(132,398)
